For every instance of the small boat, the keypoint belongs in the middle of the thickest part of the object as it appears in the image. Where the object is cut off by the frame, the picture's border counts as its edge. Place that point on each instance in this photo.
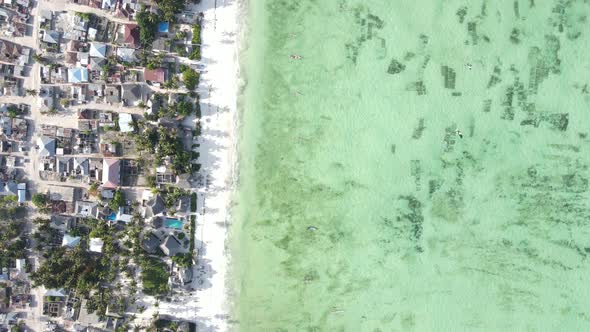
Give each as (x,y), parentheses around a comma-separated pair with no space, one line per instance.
(296,57)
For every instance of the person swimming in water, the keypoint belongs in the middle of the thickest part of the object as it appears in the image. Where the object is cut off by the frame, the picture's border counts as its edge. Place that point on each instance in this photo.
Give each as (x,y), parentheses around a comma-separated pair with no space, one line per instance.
(459,133)
(296,57)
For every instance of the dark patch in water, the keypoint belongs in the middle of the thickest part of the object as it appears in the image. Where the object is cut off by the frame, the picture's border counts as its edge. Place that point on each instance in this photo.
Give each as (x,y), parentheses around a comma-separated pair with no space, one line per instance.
(415,219)
(419,129)
(395,67)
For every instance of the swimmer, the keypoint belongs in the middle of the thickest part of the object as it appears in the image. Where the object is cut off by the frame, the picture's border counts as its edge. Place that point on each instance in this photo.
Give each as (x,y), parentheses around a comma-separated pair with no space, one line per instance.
(469,66)
(296,57)
(459,133)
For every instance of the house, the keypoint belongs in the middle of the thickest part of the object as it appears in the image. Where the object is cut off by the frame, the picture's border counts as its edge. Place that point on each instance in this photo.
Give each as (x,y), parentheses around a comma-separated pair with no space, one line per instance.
(53,302)
(70,241)
(154,206)
(51,37)
(4,297)
(125,123)
(161,44)
(183,205)
(5,125)
(77,75)
(8,188)
(21,264)
(11,52)
(111,173)
(126,54)
(94,91)
(96,244)
(172,246)
(157,75)
(129,8)
(62,222)
(86,209)
(131,35)
(96,64)
(112,94)
(132,94)
(107,4)
(46,146)
(59,193)
(8,319)
(122,216)
(90,320)
(22,192)
(150,242)
(64,165)
(98,50)
(81,166)
(20,129)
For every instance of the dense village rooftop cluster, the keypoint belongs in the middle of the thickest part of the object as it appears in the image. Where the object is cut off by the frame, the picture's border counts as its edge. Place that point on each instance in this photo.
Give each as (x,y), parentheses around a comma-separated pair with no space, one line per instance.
(97,162)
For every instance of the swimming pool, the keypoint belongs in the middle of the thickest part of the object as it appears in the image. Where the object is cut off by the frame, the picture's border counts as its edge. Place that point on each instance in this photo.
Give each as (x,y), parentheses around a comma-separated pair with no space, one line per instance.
(173,223)
(112,216)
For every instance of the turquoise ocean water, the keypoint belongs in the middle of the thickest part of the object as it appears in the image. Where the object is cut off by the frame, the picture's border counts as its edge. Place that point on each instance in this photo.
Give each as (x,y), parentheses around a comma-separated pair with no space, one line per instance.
(422,167)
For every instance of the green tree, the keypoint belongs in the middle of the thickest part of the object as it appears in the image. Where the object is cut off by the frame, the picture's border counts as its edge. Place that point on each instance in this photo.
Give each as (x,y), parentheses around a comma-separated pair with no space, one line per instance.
(190,78)
(117,201)
(39,200)
(148,25)
(184,108)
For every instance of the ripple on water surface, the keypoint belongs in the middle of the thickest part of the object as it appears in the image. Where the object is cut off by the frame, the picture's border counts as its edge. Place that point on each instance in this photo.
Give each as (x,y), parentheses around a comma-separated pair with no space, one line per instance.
(423,166)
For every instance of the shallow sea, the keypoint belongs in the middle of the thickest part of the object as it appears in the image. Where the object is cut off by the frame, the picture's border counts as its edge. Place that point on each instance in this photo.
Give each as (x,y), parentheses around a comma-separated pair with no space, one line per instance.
(422,167)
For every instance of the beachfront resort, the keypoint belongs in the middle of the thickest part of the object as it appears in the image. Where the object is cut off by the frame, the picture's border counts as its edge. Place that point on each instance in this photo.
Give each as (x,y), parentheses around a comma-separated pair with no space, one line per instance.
(105,166)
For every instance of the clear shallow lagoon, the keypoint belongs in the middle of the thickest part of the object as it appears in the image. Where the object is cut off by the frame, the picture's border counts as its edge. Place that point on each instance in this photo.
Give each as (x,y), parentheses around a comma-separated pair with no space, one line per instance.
(440,151)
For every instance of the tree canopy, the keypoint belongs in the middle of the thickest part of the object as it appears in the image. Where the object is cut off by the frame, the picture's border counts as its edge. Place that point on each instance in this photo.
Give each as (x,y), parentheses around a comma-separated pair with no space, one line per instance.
(71,269)
(39,200)
(148,26)
(190,78)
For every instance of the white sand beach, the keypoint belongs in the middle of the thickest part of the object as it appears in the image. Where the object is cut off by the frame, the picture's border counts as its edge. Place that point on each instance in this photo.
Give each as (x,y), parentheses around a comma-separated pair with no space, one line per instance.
(218,90)
(208,304)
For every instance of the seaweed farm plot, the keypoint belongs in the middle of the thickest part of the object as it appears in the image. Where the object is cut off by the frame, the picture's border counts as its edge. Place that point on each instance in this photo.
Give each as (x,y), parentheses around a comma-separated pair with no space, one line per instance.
(423,167)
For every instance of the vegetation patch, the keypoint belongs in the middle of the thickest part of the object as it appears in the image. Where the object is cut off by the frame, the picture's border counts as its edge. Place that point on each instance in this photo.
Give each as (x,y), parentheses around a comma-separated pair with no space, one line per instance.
(154,277)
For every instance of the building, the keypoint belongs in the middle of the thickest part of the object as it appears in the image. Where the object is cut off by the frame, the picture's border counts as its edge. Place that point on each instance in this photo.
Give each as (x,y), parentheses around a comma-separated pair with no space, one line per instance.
(96,244)
(51,37)
(111,173)
(131,35)
(172,246)
(125,123)
(13,53)
(154,206)
(53,302)
(132,94)
(86,209)
(81,166)
(78,75)
(112,94)
(22,192)
(126,54)
(46,146)
(98,50)
(150,243)
(8,188)
(70,241)
(157,75)
(61,193)
(62,222)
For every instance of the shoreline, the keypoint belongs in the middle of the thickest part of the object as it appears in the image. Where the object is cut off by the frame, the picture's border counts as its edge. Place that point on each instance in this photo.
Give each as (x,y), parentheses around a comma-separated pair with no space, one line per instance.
(218,148)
